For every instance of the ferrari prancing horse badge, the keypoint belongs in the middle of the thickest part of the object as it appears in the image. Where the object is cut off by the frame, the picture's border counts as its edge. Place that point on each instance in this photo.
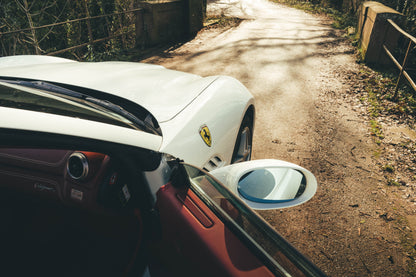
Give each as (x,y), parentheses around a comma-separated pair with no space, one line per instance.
(205,135)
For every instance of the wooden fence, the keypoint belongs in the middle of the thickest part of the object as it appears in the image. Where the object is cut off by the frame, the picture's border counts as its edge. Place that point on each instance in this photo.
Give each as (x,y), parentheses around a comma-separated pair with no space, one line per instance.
(383,42)
(409,43)
(121,31)
(150,23)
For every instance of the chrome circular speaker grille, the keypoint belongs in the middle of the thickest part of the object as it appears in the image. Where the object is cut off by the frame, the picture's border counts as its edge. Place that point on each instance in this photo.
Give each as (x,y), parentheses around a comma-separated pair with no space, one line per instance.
(77,166)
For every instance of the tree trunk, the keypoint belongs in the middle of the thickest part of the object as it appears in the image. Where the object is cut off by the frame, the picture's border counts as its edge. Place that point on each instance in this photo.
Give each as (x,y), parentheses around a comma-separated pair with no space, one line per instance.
(87,12)
(35,43)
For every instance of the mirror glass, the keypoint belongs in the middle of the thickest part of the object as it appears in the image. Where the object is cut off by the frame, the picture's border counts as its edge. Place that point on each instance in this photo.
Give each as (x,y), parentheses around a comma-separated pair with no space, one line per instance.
(272,185)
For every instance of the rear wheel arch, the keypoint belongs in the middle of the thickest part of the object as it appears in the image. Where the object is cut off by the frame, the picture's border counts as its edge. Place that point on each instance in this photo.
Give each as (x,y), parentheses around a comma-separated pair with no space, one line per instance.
(251,113)
(244,140)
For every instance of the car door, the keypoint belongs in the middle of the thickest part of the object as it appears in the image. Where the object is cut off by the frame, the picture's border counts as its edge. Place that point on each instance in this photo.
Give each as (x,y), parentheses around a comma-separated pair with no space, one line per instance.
(196,227)
(208,231)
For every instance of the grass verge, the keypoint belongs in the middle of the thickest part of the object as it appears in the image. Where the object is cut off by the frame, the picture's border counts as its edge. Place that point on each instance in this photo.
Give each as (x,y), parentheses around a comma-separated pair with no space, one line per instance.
(340,20)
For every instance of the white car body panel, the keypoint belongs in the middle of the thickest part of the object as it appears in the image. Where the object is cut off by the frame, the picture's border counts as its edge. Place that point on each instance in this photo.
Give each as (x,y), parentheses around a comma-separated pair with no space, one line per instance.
(57,124)
(27,60)
(161,91)
(181,102)
(231,175)
(181,135)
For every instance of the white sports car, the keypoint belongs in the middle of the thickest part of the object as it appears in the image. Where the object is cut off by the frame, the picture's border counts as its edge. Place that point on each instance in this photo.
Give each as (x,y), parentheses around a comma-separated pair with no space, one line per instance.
(91,183)
(207,122)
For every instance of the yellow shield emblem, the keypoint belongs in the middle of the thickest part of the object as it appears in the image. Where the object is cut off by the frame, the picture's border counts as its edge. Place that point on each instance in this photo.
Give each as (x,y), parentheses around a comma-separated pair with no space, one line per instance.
(206,135)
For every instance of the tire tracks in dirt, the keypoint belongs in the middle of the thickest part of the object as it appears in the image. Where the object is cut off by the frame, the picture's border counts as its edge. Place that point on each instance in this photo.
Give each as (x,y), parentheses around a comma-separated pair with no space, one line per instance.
(302,73)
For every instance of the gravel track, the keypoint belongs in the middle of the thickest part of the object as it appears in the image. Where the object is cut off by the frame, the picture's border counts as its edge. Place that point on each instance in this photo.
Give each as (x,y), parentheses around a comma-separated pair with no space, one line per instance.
(303,74)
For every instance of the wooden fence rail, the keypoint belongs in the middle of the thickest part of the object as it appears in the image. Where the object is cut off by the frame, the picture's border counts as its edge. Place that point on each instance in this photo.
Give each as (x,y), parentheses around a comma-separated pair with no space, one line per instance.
(91,40)
(154,23)
(401,66)
(87,43)
(69,21)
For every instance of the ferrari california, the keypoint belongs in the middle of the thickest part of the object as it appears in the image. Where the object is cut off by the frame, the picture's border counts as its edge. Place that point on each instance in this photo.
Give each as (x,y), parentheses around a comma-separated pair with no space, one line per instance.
(128,169)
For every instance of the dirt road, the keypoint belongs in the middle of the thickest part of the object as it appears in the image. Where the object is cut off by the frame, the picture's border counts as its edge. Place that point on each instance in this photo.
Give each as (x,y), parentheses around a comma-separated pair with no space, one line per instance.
(300,69)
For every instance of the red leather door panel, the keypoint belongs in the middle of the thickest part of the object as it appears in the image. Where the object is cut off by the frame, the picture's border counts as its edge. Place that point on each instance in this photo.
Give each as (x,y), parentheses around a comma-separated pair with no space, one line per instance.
(196,242)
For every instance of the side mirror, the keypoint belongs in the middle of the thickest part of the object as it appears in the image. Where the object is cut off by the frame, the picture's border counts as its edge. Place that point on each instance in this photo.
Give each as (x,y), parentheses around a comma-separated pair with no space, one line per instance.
(268,184)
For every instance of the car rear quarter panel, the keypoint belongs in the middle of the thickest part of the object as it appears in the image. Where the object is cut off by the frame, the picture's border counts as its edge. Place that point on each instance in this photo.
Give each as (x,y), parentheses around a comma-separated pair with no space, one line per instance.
(221,107)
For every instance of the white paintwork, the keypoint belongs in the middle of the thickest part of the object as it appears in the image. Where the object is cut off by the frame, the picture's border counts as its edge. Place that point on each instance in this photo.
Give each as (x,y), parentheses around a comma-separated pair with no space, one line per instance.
(27,60)
(222,109)
(56,124)
(163,92)
(230,175)
(181,102)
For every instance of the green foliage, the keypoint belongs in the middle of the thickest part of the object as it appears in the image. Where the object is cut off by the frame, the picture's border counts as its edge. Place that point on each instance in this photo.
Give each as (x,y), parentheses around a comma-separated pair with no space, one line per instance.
(388,168)
(381,87)
(408,9)
(376,131)
(332,8)
(26,15)
(344,12)
(393,182)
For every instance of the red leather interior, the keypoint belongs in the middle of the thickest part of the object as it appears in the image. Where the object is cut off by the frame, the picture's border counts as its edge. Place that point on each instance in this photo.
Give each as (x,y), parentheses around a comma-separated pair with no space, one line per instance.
(198,243)
(43,172)
(63,237)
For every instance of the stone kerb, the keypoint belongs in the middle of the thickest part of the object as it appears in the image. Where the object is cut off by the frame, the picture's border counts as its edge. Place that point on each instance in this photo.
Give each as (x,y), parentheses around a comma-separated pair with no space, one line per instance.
(375,30)
(163,21)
